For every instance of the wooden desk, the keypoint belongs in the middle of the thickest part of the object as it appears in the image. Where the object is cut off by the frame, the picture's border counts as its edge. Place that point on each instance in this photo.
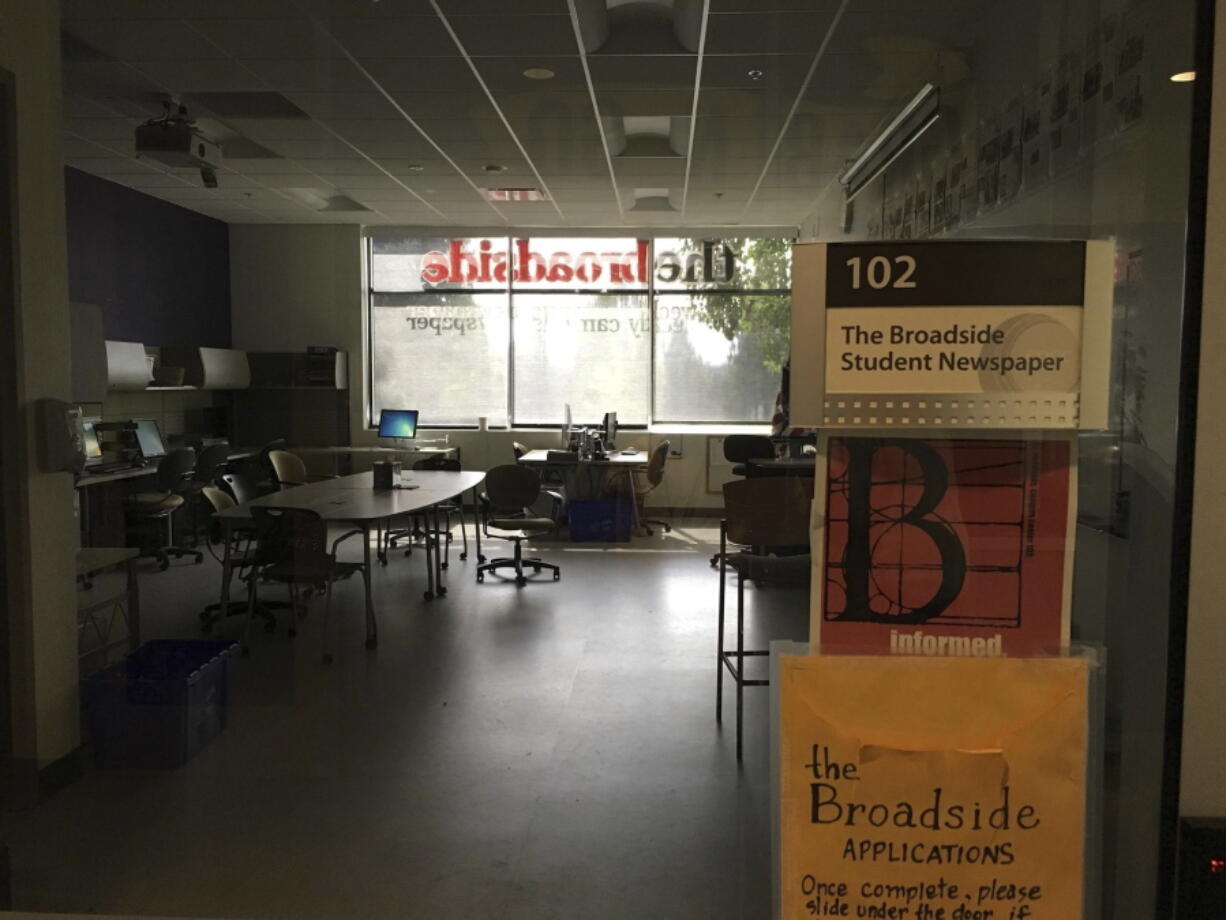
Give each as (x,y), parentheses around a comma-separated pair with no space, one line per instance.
(620,464)
(352,500)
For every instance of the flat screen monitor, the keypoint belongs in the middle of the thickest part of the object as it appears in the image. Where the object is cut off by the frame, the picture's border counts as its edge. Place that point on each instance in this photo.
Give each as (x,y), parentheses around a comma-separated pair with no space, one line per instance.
(93,447)
(610,428)
(398,423)
(149,438)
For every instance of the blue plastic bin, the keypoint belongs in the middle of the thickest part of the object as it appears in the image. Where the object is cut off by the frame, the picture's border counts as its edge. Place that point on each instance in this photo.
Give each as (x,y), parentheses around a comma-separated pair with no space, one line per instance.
(155,709)
(599,521)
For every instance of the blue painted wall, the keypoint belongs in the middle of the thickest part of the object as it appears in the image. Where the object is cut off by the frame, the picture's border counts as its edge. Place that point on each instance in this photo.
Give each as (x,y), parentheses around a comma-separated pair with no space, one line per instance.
(160,273)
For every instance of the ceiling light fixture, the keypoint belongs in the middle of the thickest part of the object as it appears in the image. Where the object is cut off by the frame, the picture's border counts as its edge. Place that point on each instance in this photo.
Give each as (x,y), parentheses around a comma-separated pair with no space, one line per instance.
(416,167)
(754,74)
(539,73)
(493,168)
(1185,76)
(916,117)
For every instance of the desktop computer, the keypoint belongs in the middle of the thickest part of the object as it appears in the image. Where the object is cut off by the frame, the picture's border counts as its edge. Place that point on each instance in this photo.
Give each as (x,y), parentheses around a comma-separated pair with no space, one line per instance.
(398,423)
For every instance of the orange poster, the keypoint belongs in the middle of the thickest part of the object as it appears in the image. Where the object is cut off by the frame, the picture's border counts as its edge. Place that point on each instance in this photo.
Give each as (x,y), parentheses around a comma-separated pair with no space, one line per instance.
(932,789)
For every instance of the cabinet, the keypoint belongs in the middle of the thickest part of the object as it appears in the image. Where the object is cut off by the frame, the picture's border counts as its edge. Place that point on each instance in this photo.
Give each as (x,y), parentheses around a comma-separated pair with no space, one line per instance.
(297,396)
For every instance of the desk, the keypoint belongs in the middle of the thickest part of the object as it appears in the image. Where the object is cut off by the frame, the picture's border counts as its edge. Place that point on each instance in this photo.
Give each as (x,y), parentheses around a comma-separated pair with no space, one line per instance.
(352,500)
(781,466)
(378,452)
(617,462)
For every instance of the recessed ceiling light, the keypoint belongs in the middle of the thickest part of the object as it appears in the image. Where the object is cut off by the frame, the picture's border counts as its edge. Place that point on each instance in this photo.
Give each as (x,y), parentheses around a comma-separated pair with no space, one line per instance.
(539,73)
(416,167)
(1186,76)
(493,168)
(754,74)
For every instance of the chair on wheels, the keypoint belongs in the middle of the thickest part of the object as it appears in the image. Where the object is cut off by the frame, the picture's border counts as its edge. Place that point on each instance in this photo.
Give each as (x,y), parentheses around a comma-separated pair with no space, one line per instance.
(518,449)
(152,513)
(447,509)
(766,514)
(739,449)
(288,470)
(645,482)
(509,491)
(292,548)
(210,462)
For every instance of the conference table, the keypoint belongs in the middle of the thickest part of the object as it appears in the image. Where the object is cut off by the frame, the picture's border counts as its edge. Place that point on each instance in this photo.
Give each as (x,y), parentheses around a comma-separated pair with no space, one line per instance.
(354,500)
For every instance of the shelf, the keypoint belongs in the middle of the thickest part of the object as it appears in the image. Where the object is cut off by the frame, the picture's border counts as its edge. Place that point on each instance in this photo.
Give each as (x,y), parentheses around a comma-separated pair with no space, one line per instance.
(164,389)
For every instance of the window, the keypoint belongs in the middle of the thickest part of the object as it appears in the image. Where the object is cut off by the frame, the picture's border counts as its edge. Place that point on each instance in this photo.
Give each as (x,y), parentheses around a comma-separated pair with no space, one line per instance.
(670,330)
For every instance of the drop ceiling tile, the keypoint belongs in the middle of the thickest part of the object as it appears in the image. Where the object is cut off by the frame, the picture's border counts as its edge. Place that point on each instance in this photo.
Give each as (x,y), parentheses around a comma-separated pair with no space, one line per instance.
(341,167)
(515,36)
(101,129)
(758,32)
(261,167)
(79,147)
(214,76)
(386,197)
(412,75)
(649,172)
(466,104)
(113,166)
(335,75)
(716,103)
(178,9)
(505,75)
(342,106)
(620,103)
(295,38)
(545,103)
(750,6)
(123,90)
(312,149)
(518,8)
(652,71)
(782,74)
(447,130)
(290,180)
(392,37)
(78,106)
(265,130)
(363,182)
(144,40)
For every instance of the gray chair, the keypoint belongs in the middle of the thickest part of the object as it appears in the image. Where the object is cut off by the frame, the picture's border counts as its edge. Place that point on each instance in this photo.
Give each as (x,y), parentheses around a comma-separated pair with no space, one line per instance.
(509,491)
(646,481)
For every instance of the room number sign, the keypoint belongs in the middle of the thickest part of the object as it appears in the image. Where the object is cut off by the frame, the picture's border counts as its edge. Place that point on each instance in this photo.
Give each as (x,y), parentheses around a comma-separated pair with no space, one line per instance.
(979,334)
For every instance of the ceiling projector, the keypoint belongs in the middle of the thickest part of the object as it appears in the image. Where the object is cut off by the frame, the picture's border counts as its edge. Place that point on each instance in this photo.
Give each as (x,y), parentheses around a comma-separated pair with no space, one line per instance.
(174,141)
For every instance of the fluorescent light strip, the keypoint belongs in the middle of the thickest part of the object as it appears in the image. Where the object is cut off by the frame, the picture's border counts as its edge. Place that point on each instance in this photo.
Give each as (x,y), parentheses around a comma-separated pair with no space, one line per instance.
(876,157)
(689,149)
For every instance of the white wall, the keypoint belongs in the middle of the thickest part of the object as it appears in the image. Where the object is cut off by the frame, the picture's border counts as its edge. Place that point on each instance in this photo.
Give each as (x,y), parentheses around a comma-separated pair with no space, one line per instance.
(299,285)
(1202,791)
(45,633)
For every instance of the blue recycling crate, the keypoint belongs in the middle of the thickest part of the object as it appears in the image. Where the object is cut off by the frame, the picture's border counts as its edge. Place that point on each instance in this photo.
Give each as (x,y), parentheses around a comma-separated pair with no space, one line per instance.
(599,521)
(160,705)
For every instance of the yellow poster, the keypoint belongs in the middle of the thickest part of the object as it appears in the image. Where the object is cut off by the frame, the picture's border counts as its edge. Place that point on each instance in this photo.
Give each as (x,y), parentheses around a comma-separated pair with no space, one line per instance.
(932,789)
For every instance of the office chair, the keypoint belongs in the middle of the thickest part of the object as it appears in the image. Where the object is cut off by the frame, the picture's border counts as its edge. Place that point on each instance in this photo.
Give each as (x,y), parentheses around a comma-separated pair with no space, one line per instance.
(239,486)
(288,470)
(292,548)
(739,449)
(509,491)
(645,481)
(765,514)
(241,559)
(148,510)
(210,462)
(518,449)
(447,509)
(269,481)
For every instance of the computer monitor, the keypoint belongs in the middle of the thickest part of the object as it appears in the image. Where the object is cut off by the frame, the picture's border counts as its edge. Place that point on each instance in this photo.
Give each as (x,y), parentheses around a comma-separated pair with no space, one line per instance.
(610,429)
(93,447)
(398,423)
(149,439)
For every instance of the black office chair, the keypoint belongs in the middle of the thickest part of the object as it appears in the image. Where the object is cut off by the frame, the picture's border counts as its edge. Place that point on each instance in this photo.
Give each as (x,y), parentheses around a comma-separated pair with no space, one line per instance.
(268,476)
(148,512)
(518,449)
(292,548)
(241,558)
(646,482)
(210,463)
(509,491)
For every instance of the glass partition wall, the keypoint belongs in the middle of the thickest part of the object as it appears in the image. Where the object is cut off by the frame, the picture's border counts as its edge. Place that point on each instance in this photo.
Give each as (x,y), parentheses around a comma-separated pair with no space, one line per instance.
(1073,119)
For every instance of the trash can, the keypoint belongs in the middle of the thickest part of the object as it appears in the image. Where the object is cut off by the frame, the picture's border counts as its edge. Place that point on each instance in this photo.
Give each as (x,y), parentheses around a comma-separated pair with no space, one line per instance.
(158,706)
(599,521)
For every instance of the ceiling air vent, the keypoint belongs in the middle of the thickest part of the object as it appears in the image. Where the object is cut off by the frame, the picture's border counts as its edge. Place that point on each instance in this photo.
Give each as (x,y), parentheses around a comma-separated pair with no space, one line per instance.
(514,194)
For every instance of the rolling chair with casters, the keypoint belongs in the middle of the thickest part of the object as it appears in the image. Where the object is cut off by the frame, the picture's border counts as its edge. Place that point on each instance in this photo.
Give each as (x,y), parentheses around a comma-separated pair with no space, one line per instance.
(151,509)
(763,515)
(292,548)
(288,470)
(550,477)
(263,475)
(241,558)
(509,491)
(646,481)
(518,449)
(419,527)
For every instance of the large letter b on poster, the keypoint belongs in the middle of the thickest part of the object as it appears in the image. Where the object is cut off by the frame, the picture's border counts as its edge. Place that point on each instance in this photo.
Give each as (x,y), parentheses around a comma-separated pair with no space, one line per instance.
(902,563)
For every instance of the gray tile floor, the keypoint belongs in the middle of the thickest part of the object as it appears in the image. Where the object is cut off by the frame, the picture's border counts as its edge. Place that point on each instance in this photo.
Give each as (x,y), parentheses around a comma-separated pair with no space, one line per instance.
(542,752)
